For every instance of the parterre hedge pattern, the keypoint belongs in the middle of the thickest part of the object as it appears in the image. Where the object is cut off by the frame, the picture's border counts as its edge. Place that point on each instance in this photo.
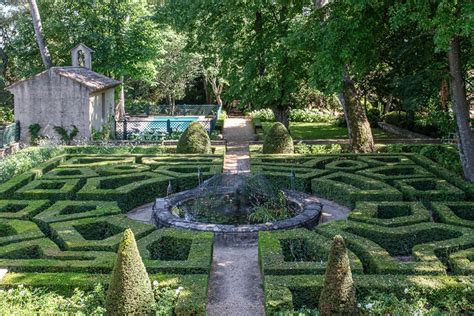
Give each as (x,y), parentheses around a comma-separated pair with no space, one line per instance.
(411,226)
(61,222)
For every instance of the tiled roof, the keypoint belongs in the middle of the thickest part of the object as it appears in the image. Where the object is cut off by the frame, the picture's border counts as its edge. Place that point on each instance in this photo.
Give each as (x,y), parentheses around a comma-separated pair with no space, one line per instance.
(86,77)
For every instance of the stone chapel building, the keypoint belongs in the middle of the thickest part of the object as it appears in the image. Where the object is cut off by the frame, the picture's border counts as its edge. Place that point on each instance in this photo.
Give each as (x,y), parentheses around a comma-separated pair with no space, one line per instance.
(65,96)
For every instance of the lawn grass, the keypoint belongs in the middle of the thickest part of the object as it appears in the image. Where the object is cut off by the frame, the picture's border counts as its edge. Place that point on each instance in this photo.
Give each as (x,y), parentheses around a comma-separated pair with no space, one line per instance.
(304,131)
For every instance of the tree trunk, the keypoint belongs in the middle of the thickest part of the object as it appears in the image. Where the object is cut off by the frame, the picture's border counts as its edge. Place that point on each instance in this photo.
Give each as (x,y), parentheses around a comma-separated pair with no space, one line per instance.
(206,90)
(342,99)
(173,106)
(461,109)
(444,95)
(282,115)
(35,16)
(122,97)
(361,139)
(388,105)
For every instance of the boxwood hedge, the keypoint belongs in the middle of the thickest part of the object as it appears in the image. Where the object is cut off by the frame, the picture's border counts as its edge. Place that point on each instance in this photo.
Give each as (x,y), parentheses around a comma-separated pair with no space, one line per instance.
(60,223)
(410,227)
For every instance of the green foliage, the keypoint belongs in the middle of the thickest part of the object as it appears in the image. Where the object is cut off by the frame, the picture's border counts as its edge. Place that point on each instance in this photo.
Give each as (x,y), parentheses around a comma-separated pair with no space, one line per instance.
(278,140)
(445,155)
(304,149)
(297,252)
(110,149)
(433,123)
(338,294)
(263,115)
(25,160)
(125,41)
(310,116)
(177,68)
(194,140)
(130,290)
(6,115)
(403,247)
(35,136)
(36,301)
(296,115)
(65,136)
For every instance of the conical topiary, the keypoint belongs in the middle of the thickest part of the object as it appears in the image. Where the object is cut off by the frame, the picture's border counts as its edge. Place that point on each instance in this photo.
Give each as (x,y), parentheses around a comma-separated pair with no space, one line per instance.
(130,291)
(338,294)
(194,140)
(278,140)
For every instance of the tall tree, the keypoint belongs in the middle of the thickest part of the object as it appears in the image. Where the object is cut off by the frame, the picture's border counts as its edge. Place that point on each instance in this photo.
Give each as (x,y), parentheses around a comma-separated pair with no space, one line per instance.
(177,68)
(342,32)
(36,18)
(450,23)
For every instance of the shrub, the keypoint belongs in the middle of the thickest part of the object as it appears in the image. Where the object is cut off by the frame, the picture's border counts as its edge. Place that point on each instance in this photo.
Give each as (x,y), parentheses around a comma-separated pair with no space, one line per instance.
(445,155)
(35,136)
(278,140)
(194,140)
(310,116)
(264,115)
(25,160)
(338,294)
(36,301)
(130,290)
(6,115)
(373,115)
(65,136)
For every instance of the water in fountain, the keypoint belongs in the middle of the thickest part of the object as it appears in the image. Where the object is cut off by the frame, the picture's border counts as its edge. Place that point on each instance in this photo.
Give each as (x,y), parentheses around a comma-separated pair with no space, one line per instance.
(235,199)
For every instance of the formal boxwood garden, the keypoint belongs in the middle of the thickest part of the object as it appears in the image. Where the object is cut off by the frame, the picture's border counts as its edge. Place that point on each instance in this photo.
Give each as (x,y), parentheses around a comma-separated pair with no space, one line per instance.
(411,225)
(410,229)
(62,221)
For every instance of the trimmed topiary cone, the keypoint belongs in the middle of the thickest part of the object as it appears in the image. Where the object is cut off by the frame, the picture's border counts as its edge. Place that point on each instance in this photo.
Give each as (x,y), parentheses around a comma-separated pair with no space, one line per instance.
(194,140)
(130,291)
(338,294)
(278,140)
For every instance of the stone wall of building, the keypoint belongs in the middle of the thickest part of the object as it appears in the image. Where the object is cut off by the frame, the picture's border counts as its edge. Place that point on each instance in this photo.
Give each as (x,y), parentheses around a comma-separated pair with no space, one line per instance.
(101,108)
(51,100)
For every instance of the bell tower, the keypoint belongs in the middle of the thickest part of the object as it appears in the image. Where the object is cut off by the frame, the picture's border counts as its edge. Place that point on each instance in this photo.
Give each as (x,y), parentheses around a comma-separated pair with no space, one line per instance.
(81,56)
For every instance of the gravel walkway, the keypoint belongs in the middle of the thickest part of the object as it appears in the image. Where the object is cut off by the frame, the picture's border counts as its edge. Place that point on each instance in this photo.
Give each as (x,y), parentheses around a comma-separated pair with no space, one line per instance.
(238,131)
(235,284)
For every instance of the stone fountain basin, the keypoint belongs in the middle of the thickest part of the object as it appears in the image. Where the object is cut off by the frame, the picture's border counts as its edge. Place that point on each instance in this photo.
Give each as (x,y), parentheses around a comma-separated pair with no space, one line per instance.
(309,214)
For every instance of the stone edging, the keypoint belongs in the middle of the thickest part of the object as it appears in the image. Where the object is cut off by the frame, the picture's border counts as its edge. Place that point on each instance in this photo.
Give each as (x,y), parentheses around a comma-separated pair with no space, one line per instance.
(401,131)
(309,217)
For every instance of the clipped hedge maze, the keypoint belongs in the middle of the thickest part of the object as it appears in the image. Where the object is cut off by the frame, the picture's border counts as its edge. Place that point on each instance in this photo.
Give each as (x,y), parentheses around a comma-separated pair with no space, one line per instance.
(411,226)
(64,220)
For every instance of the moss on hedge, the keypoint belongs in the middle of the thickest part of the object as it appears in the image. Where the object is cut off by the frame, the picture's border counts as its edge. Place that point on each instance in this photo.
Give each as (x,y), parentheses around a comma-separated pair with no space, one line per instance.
(194,140)
(278,140)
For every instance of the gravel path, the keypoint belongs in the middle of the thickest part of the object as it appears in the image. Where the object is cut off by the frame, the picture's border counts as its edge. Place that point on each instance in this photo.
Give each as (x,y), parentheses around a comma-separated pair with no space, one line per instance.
(235,284)
(238,131)
(332,211)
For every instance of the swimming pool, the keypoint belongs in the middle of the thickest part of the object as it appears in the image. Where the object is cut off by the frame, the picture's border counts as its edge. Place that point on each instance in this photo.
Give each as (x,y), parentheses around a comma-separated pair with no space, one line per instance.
(154,127)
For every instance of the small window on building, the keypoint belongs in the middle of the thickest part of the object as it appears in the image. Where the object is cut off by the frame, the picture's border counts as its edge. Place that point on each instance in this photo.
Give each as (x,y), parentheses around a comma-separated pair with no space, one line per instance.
(103,107)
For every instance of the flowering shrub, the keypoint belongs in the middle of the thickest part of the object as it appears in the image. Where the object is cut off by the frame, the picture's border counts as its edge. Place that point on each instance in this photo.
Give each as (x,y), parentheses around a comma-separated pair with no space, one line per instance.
(311,116)
(25,301)
(264,115)
(296,115)
(165,298)
(25,160)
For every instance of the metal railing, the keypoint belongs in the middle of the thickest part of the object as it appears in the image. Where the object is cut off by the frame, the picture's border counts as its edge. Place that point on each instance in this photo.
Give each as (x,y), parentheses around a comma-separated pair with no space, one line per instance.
(9,134)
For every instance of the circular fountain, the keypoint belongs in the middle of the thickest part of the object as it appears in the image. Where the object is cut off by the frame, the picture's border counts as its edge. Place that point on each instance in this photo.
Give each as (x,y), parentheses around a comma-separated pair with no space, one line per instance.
(231,203)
